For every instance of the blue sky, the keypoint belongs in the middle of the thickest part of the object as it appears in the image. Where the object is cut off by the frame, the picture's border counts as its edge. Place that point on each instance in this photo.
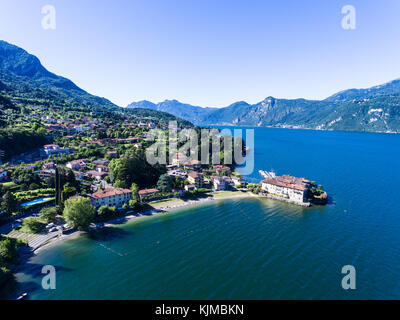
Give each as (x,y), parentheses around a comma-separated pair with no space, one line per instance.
(210,53)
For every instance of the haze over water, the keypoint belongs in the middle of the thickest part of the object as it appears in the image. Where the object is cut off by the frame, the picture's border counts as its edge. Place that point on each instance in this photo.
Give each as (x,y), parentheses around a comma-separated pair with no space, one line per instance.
(253,248)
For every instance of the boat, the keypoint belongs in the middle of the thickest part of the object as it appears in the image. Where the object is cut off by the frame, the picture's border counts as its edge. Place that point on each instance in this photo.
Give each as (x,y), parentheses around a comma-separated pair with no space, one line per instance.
(22,296)
(267,175)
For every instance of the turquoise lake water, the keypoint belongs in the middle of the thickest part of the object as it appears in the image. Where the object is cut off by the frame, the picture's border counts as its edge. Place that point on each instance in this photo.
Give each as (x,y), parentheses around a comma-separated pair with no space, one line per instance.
(251,248)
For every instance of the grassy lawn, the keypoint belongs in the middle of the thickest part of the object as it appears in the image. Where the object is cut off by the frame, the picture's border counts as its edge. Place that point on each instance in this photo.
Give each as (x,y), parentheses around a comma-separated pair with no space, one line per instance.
(223,194)
(216,195)
(167,202)
(31,226)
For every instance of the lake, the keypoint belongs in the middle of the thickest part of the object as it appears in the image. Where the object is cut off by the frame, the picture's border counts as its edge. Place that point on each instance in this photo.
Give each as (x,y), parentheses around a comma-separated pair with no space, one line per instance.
(253,248)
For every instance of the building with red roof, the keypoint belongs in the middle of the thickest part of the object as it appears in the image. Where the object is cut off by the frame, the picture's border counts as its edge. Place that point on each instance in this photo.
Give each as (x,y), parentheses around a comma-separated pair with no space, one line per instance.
(288,187)
(112,197)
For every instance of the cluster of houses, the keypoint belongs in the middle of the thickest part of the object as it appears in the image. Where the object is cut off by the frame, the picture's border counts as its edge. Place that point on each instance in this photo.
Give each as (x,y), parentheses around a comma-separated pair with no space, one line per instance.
(87,123)
(218,178)
(105,141)
(117,197)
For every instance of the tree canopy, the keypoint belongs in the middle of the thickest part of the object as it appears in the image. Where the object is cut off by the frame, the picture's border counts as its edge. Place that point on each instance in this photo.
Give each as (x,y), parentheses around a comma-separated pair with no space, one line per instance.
(134,169)
(164,184)
(79,213)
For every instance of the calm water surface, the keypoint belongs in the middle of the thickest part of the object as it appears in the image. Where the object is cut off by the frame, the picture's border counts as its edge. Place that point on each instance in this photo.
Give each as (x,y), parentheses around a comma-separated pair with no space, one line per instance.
(251,248)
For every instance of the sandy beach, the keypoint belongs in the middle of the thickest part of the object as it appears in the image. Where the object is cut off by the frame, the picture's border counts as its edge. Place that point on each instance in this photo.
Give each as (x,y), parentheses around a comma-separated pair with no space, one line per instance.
(158,208)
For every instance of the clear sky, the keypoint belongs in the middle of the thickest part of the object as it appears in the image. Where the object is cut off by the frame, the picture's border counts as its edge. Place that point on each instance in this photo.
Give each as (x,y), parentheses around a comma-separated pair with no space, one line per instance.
(210,52)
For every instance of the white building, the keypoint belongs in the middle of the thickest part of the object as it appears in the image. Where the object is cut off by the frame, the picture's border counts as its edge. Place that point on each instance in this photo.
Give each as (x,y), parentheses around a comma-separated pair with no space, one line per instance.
(287,187)
(237,181)
(219,183)
(77,164)
(53,149)
(114,197)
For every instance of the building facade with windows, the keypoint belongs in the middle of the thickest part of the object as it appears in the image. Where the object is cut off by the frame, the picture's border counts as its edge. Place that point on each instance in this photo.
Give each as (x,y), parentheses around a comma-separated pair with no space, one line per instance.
(287,187)
(113,197)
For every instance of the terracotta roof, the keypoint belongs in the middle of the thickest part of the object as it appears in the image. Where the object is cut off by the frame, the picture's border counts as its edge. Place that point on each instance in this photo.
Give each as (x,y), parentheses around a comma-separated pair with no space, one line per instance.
(109,193)
(287,181)
(78,161)
(195,174)
(146,191)
(192,163)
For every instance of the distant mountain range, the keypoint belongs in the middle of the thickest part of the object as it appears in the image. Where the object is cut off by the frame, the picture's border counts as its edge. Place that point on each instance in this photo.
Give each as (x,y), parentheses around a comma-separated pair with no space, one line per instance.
(376,109)
(182,110)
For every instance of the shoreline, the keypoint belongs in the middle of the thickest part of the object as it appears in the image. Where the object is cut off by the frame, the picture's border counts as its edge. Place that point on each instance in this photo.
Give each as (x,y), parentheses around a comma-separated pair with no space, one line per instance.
(299,128)
(140,215)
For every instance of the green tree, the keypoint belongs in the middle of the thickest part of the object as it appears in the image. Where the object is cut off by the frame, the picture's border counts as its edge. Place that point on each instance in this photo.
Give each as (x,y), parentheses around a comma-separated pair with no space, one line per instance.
(8,250)
(135,205)
(164,184)
(48,214)
(58,185)
(34,186)
(106,211)
(71,180)
(134,168)
(9,204)
(135,191)
(32,225)
(2,190)
(79,213)
(8,254)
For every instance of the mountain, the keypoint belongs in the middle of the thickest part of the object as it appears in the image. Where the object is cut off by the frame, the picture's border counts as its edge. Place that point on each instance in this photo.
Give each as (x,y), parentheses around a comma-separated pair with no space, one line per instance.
(375,109)
(182,110)
(389,89)
(23,77)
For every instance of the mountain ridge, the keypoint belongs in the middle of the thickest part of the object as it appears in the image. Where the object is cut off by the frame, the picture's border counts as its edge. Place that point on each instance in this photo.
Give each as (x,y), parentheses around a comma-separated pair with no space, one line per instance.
(22,74)
(375,109)
(179,109)
(23,77)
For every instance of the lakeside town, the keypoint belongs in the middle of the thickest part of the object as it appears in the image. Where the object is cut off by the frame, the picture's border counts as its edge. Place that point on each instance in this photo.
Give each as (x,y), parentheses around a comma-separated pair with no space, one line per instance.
(95,171)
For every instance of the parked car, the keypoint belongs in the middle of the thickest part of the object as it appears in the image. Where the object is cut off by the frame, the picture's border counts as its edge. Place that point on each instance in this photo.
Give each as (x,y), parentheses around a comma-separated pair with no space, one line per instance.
(50,225)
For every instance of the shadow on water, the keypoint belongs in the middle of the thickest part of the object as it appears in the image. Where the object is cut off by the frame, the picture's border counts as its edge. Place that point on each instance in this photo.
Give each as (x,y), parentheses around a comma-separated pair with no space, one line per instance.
(12,289)
(331,200)
(35,270)
(107,234)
